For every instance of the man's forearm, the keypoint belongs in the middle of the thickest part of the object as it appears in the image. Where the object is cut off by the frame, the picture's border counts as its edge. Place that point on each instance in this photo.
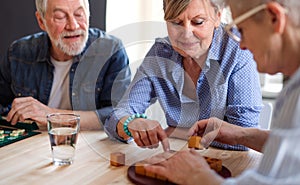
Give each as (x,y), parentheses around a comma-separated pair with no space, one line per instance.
(254,138)
(89,120)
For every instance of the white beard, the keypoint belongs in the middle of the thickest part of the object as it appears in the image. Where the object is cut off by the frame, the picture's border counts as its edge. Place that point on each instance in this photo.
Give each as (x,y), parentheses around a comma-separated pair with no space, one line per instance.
(74,48)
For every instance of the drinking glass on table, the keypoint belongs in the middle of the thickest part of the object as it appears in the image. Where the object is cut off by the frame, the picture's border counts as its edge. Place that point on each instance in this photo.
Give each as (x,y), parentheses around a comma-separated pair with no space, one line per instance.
(63,131)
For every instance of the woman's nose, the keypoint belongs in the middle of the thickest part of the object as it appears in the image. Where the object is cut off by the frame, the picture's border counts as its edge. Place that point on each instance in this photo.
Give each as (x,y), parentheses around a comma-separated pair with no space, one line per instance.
(188,30)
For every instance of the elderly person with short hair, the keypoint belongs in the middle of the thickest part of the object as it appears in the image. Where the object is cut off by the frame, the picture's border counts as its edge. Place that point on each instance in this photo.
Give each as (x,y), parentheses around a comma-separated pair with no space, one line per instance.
(58,70)
(270,29)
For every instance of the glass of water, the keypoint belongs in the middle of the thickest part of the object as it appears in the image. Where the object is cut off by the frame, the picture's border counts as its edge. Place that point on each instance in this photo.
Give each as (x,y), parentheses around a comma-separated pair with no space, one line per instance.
(63,131)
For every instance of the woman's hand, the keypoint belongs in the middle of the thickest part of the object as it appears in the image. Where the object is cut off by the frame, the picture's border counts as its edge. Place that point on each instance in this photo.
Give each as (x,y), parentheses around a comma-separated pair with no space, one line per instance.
(146,133)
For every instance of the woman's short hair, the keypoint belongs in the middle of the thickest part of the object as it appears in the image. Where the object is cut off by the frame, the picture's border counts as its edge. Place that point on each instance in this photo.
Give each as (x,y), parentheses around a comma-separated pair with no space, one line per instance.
(173,8)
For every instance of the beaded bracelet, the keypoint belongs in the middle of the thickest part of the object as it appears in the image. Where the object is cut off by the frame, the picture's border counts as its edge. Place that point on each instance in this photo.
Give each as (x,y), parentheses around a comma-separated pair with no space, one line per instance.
(129,119)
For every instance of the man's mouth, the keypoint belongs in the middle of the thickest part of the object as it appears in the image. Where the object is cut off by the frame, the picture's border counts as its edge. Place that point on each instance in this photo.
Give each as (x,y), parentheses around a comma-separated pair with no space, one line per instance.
(72,36)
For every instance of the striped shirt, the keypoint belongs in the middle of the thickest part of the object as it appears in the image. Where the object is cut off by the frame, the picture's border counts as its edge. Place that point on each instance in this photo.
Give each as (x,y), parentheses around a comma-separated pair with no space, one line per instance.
(227,88)
(281,162)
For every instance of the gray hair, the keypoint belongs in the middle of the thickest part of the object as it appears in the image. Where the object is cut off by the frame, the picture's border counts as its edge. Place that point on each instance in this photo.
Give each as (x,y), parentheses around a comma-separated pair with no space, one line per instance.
(292,7)
(218,4)
(41,6)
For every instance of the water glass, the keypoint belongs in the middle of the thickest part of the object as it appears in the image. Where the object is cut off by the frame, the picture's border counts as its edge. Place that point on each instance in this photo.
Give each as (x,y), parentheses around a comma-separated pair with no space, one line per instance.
(63,131)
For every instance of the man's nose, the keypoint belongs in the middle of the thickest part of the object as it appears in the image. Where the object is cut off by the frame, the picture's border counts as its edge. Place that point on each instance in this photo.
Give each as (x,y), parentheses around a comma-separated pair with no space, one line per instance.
(72,24)
(243,45)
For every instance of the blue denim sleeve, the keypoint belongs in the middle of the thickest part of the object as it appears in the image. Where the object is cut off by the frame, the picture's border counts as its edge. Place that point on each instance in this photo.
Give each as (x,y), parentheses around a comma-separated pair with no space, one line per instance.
(6,94)
(116,80)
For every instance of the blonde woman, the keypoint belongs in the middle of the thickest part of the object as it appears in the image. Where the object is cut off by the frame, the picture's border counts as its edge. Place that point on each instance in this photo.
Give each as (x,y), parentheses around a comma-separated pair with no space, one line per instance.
(196,72)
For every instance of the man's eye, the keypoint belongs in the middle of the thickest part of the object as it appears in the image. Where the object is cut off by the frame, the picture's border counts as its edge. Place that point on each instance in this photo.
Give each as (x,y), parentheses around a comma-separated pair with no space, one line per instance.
(79,14)
(59,16)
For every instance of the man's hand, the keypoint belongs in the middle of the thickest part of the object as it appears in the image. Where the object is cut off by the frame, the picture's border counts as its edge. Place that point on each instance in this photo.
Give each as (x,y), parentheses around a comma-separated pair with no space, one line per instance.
(214,129)
(28,108)
(184,167)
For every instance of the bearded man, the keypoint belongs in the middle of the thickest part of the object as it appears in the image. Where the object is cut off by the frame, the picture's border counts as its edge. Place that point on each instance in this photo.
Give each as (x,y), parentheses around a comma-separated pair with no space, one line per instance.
(67,68)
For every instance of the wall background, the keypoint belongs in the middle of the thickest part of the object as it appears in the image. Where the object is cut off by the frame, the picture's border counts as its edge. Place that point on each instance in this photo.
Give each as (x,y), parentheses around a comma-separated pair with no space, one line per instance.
(17,18)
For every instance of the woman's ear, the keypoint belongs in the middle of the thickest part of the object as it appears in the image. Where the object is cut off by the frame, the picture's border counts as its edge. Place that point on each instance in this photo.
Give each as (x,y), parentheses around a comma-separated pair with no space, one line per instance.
(278,14)
(218,18)
(40,20)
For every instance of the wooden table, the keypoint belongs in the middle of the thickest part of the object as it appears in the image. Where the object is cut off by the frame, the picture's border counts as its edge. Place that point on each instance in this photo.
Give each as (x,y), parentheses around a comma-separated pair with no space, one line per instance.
(29,161)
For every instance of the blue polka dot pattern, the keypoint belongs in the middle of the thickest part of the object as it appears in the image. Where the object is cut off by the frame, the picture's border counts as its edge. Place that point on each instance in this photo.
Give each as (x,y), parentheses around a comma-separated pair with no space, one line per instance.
(227,88)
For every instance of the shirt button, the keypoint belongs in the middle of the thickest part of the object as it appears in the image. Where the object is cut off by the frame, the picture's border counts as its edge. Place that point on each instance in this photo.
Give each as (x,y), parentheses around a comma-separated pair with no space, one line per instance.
(73,94)
(19,94)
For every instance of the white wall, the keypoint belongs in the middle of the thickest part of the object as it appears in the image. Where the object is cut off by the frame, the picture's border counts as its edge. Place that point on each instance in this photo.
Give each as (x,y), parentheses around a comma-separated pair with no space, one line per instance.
(137,23)
(122,12)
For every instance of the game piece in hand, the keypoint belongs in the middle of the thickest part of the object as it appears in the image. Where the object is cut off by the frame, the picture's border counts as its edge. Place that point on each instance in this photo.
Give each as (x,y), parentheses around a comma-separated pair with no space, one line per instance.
(195,142)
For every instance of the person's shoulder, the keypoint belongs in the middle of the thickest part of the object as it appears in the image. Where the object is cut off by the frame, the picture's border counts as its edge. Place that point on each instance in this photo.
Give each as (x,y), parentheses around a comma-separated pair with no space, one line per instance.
(221,38)
(163,45)
(30,45)
(228,52)
(31,40)
(96,33)
(224,45)
(165,41)
(162,50)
